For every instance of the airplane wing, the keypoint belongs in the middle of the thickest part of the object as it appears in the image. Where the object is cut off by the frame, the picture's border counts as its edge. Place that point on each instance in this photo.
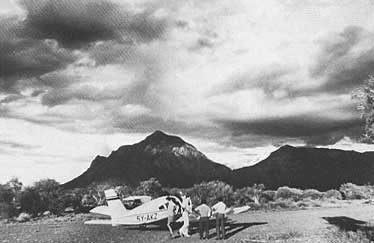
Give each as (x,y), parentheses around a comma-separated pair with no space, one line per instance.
(237,210)
(99,221)
(103,210)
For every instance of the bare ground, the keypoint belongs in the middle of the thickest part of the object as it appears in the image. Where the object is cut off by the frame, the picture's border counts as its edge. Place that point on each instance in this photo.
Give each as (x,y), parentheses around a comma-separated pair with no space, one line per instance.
(309,225)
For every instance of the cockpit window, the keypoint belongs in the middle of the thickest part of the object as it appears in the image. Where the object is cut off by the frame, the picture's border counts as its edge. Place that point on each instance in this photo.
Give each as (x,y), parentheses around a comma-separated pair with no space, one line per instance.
(131,204)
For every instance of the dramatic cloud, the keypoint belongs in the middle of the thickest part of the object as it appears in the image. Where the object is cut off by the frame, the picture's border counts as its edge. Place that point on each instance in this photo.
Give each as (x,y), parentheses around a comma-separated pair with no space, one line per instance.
(25,57)
(293,127)
(345,60)
(44,40)
(75,24)
(272,80)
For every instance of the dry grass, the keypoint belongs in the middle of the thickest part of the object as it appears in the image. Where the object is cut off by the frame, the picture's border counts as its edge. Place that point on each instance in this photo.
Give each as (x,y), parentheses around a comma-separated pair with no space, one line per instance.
(339,236)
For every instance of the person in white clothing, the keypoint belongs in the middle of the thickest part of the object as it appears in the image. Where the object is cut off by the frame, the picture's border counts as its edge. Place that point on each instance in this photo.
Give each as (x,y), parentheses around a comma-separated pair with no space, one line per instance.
(219,209)
(187,209)
(171,208)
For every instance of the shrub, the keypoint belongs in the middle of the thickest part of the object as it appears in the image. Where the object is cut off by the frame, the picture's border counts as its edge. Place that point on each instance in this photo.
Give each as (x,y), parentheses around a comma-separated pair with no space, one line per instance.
(256,206)
(6,194)
(312,194)
(211,191)
(268,196)
(7,210)
(51,195)
(15,185)
(339,236)
(124,191)
(248,194)
(282,204)
(69,199)
(31,202)
(307,203)
(332,194)
(243,196)
(352,191)
(44,195)
(151,187)
(286,192)
(87,203)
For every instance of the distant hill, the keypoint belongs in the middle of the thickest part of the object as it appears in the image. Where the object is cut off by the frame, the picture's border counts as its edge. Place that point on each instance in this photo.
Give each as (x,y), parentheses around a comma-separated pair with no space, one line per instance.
(304,167)
(176,163)
(168,158)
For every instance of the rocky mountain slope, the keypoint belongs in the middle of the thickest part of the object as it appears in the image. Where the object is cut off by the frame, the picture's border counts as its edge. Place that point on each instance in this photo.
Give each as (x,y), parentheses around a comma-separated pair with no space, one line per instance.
(304,167)
(168,158)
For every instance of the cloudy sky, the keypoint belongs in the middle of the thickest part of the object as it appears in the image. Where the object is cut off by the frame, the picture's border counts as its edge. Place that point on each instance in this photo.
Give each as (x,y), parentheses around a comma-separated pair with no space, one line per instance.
(236,78)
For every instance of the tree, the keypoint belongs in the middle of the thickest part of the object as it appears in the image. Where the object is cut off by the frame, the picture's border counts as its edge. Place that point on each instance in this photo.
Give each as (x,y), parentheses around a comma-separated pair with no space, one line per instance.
(15,185)
(150,187)
(6,194)
(44,195)
(364,97)
(211,191)
(31,202)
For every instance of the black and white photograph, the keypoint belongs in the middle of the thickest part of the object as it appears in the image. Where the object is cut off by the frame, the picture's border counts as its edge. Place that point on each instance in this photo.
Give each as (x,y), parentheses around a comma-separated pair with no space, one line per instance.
(241,121)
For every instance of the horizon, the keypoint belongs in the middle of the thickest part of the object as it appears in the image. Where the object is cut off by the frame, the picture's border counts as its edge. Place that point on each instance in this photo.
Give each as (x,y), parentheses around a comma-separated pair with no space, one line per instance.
(237,79)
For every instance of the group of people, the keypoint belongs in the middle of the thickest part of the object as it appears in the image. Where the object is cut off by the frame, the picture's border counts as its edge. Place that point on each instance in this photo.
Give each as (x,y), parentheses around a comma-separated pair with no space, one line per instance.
(203,213)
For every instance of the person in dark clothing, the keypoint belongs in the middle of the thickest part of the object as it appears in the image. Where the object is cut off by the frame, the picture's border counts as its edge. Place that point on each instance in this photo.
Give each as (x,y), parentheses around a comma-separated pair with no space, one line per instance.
(220,210)
(205,212)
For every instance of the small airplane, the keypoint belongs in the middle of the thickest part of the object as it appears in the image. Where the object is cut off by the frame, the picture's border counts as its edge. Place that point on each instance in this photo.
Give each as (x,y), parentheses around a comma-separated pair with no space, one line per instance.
(151,211)
(148,212)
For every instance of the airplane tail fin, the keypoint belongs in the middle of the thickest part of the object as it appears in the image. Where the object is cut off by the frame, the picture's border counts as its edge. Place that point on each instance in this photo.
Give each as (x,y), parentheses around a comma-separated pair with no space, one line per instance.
(115,205)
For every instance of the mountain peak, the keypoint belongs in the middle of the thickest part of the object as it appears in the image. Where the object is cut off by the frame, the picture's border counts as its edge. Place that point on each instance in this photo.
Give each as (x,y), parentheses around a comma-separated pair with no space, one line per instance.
(161,137)
(287,147)
(158,134)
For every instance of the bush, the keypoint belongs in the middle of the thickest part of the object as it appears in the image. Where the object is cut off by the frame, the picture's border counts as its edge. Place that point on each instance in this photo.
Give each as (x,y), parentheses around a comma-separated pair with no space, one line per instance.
(332,194)
(7,210)
(249,194)
(268,196)
(306,203)
(352,191)
(31,202)
(211,191)
(151,187)
(339,236)
(51,195)
(44,195)
(124,191)
(286,192)
(283,204)
(6,194)
(70,200)
(243,196)
(312,194)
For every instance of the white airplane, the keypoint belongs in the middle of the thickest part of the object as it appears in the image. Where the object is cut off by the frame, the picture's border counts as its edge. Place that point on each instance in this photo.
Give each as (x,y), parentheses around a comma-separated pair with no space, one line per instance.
(147,213)
(151,211)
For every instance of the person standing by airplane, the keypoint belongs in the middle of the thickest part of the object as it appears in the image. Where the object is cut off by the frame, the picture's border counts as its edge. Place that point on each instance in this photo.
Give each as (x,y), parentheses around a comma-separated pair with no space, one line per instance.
(171,208)
(187,209)
(220,209)
(205,213)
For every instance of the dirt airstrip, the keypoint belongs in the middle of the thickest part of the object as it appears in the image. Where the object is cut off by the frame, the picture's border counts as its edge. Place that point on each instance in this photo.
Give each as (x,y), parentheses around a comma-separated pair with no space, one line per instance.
(307,225)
